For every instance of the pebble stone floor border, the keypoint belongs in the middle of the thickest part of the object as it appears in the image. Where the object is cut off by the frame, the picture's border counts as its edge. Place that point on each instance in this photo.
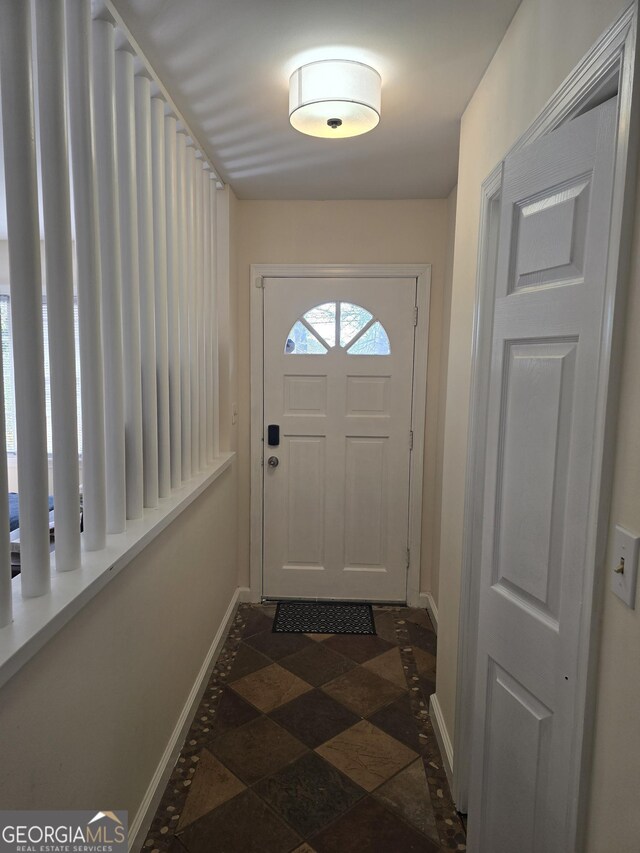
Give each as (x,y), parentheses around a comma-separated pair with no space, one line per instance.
(392,828)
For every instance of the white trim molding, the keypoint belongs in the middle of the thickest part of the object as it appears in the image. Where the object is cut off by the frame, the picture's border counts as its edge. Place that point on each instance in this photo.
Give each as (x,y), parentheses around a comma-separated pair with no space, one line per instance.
(151,800)
(442,736)
(427,602)
(244,594)
(474,490)
(422,274)
(609,69)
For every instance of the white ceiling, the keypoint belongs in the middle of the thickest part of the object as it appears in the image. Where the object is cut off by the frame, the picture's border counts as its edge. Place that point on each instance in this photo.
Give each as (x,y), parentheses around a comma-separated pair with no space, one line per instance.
(226,63)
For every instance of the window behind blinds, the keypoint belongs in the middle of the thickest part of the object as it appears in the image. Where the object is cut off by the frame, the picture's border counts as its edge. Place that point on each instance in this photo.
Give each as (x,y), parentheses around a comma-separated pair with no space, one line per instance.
(7,362)
(140,193)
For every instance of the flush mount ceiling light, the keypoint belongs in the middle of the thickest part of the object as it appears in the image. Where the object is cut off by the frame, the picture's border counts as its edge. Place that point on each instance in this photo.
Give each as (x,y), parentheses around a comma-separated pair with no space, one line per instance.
(334,98)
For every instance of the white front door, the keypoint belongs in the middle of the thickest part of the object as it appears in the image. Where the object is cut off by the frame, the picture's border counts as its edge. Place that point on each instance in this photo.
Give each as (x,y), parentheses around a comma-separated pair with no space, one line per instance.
(541,433)
(338,364)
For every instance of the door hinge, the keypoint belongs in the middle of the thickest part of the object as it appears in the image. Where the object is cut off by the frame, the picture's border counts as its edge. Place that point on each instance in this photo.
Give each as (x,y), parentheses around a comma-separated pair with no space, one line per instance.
(408,558)
(260,282)
(415,315)
(410,439)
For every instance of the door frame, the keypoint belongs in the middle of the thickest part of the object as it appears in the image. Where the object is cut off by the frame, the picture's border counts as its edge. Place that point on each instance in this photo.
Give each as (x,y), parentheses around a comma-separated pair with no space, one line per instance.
(422,275)
(610,64)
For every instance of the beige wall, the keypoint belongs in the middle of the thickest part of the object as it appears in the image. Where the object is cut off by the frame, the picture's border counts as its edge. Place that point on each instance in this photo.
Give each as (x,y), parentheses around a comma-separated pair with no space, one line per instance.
(545,41)
(86,721)
(347,232)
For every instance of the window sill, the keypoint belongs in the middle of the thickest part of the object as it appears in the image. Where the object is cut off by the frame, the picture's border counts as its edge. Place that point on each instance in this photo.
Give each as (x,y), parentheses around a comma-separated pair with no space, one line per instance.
(37,620)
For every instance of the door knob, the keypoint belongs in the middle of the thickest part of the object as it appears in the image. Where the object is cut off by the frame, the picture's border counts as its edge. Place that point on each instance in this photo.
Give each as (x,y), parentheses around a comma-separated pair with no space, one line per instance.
(273,461)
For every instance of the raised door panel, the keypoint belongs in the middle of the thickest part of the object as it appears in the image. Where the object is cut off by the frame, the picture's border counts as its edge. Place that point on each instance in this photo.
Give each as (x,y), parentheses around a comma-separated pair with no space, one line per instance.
(549,236)
(305,395)
(366,497)
(538,386)
(368,396)
(305,476)
(518,732)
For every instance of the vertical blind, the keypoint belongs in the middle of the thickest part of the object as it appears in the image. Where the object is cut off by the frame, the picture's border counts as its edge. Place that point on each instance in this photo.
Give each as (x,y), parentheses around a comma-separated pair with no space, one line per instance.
(110,373)
(6,331)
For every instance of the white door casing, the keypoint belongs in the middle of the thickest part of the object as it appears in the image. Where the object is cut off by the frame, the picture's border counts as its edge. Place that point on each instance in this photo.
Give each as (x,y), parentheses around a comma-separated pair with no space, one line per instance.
(548,316)
(421,274)
(336,508)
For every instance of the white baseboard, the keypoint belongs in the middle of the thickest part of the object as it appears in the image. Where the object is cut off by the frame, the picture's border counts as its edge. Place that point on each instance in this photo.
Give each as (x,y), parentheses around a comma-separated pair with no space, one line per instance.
(244,595)
(141,822)
(426,601)
(442,736)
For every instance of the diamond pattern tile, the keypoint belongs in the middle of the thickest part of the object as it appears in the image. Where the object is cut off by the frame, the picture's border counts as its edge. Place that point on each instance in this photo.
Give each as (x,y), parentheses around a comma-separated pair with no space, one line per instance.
(357,648)
(309,793)
(366,754)
(257,749)
(245,824)
(313,744)
(385,621)
(370,826)
(314,718)
(211,786)
(317,664)
(256,621)
(232,712)
(397,720)
(388,665)
(247,660)
(408,795)
(362,691)
(276,646)
(270,687)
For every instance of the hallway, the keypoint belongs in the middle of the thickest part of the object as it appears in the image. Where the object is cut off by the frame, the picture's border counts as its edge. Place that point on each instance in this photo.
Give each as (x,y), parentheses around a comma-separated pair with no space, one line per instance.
(313,743)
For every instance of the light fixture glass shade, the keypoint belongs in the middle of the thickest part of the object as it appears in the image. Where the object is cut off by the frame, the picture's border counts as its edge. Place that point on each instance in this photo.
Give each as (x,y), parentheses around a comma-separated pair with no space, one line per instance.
(334,98)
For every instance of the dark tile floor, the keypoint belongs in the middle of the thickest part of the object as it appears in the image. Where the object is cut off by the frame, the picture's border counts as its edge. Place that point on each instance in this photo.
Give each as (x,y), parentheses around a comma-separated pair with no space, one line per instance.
(313,744)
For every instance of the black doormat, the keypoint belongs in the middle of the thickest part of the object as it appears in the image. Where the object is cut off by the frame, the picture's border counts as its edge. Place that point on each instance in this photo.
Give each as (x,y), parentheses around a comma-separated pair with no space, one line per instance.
(323,617)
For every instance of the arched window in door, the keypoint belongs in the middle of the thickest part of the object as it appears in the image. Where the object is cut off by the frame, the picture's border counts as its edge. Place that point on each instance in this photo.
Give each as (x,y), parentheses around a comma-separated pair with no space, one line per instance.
(337,324)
